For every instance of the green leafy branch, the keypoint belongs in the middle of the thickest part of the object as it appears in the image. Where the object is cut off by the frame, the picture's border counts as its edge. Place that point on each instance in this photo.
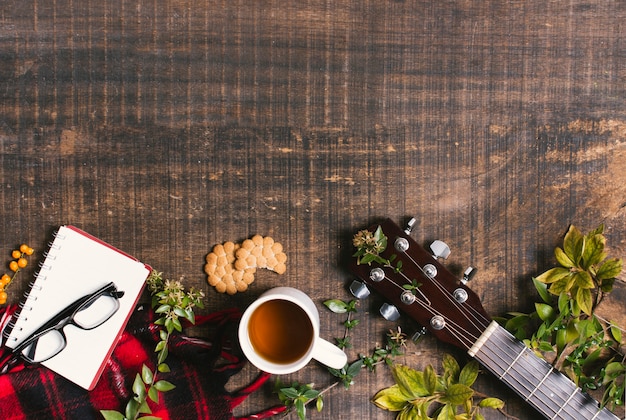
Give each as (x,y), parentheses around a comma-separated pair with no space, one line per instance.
(426,395)
(172,303)
(297,396)
(585,272)
(564,328)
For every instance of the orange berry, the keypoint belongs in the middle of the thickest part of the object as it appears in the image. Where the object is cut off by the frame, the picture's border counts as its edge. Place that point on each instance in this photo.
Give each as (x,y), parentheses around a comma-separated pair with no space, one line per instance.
(22,262)
(29,251)
(16,254)
(13,266)
(3,297)
(5,277)
(4,282)
(24,248)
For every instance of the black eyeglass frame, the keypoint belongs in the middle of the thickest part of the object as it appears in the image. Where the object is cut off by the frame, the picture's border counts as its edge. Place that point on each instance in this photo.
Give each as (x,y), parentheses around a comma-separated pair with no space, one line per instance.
(59,322)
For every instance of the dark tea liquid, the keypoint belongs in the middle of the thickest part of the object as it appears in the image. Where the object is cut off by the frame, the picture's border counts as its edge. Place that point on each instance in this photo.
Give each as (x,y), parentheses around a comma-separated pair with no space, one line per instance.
(280,331)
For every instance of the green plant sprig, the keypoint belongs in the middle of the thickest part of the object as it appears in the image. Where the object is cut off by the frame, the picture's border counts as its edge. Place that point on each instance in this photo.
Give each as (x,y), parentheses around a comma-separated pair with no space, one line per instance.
(297,396)
(369,245)
(564,328)
(427,395)
(172,303)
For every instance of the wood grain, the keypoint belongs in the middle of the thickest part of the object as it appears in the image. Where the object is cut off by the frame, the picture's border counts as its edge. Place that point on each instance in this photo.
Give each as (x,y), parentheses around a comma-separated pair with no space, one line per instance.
(166,127)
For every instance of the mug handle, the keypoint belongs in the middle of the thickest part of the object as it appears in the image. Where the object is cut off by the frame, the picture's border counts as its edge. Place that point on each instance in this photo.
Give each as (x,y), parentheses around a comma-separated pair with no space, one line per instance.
(328,354)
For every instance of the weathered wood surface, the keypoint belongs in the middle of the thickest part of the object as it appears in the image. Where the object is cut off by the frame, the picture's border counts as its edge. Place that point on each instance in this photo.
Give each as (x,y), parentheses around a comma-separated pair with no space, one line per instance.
(166,127)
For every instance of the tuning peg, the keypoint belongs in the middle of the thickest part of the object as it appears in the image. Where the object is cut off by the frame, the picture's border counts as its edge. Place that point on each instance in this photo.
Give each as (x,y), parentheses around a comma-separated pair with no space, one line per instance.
(410,225)
(440,249)
(359,290)
(468,274)
(389,312)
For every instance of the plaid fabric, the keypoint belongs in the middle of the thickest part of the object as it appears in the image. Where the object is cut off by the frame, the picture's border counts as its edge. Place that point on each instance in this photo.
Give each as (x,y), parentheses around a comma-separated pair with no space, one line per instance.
(199,369)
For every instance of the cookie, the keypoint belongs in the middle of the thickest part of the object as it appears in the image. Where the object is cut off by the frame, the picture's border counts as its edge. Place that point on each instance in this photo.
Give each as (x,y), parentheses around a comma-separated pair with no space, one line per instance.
(261,252)
(222,274)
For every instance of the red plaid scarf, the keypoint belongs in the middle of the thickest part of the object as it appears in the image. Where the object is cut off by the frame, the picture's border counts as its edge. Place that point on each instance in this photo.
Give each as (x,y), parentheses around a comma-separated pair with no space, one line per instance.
(199,369)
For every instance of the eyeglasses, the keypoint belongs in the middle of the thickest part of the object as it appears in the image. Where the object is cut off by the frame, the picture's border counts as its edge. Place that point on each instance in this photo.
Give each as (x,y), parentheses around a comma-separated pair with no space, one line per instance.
(47,341)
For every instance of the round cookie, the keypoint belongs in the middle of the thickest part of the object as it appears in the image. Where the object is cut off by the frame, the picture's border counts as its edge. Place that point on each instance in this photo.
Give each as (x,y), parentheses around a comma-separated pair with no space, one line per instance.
(222,274)
(261,252)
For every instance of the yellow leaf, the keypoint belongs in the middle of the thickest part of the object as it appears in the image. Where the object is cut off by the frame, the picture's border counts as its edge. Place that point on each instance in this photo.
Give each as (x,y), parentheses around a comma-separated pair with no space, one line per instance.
(553,275)
(391,399)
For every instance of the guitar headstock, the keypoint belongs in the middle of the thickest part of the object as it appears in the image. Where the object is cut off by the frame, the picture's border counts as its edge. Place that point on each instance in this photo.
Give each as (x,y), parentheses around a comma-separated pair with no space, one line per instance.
(416,283)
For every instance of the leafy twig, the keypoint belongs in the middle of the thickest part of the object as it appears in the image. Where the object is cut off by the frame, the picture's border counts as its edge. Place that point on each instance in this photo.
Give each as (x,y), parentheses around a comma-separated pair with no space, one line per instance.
(172,303)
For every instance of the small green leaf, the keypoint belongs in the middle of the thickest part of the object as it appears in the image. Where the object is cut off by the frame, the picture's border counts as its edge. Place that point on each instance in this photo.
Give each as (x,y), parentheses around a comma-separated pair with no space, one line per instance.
(583,280)
(160,346)
(112,415)
(609,269)
(616,333)
(411,381)
(311,394)
(290,392)
(430,379)
(553,275)
(573,244)
(164,386)
(560,286)
(144,408)
(494,403)
(163,368)
(300,409)
(545,346)
(153,394)
(337,306)
(457,394)
(131,408)
(542,289)
(594,250)
(391,399)
(469,373)
(139,389)
(180,312)
(451,368)
(146,375)
(544,311)
(319,404)
(562,258)
(355,368)
(584,300)
(162,309)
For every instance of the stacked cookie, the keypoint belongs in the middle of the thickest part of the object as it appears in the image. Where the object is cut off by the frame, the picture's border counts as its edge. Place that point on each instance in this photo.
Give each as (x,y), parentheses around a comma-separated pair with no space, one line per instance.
(231,267)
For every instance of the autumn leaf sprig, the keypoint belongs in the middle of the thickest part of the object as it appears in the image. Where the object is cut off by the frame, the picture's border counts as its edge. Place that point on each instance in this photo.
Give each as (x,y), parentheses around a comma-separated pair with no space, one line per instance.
(172,303)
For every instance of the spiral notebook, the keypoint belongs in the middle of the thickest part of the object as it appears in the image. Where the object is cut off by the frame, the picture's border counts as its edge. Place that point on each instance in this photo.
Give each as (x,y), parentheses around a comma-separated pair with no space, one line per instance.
(76,265)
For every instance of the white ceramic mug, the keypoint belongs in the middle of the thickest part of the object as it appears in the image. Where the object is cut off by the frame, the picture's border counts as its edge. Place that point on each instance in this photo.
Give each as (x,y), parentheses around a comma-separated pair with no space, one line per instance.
(281,341)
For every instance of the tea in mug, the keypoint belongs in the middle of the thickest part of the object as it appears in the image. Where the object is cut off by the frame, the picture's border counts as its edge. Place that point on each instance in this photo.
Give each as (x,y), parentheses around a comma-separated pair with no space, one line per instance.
(280,331)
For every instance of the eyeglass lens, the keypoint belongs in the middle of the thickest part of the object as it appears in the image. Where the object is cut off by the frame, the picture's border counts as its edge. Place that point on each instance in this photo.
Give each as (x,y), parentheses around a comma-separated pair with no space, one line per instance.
(88,316)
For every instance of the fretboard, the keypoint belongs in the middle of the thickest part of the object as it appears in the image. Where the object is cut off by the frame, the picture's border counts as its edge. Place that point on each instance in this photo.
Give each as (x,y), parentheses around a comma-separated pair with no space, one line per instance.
(553,394)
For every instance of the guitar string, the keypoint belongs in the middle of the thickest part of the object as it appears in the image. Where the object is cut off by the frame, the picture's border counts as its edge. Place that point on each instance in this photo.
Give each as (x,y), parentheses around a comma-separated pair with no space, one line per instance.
(482,321)
(535,367)
(550,379)
(476,315)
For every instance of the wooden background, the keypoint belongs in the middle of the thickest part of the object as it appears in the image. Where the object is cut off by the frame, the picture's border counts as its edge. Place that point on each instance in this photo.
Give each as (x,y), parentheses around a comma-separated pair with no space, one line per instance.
(168,126)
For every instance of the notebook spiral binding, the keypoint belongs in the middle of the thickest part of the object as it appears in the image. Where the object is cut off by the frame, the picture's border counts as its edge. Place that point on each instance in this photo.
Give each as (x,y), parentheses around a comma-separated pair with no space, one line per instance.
(34,288)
